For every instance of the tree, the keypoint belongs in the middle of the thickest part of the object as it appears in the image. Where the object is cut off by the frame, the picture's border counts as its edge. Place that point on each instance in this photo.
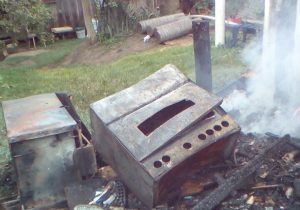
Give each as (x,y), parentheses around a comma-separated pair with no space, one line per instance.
(88,21)
(23,16)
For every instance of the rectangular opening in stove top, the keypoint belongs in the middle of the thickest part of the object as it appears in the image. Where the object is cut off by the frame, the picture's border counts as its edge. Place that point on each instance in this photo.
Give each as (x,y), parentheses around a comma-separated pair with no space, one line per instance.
(162,116)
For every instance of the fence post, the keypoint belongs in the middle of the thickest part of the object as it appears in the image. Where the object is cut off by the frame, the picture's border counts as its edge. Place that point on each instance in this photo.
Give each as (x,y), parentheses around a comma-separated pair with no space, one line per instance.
(202,54)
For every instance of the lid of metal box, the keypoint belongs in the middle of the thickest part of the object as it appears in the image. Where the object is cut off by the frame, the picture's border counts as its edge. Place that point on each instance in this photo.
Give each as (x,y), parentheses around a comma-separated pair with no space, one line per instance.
(149,128)
(144,92)
(36,116)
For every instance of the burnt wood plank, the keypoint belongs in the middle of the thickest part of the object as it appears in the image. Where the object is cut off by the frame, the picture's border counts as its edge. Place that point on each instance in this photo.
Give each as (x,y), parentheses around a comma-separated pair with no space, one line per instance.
(230,184)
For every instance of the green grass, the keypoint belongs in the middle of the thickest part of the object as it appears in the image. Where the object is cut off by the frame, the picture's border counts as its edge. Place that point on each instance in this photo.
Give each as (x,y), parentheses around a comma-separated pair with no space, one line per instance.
(91,83)
(54,54)
(88,84)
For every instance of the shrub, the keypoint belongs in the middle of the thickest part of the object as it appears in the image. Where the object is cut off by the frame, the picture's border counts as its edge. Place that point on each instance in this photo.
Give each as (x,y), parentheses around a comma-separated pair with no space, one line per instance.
(23,16)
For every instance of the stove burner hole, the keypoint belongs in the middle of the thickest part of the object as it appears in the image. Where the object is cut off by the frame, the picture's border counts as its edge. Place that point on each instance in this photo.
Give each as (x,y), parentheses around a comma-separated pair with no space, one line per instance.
(162,116)
(209,132)
(187,145)
(166,158)
(157,164)
(209,115)
(202,137)
(225,124)
(217,128)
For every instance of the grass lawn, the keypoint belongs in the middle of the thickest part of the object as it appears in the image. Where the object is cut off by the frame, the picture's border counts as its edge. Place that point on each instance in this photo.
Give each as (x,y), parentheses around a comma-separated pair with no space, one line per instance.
(25,76)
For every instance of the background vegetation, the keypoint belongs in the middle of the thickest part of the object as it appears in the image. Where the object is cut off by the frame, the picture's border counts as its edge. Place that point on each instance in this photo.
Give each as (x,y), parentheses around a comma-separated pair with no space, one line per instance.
(20,17)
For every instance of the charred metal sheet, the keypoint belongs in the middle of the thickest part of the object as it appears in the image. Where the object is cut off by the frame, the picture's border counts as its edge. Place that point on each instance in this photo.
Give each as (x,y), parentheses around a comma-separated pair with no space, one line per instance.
(36,116)
(65,99)
(152,137)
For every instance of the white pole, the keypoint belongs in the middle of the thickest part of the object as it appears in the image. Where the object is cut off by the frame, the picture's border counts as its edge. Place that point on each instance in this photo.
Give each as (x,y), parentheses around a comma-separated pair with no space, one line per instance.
(220,22)
(295,74)
(267,22)
(297,29)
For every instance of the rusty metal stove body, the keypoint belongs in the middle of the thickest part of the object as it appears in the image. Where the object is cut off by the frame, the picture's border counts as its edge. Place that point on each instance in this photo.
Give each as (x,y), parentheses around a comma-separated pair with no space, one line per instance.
(41,138)
(157,130)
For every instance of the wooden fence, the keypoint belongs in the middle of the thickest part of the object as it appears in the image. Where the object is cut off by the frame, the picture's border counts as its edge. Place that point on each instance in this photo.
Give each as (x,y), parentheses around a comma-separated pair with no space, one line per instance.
(69,12)
(66,12)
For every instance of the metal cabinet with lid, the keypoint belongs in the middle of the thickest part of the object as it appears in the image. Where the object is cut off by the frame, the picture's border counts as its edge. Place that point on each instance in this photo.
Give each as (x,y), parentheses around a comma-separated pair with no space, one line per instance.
(41,136)
(157,130)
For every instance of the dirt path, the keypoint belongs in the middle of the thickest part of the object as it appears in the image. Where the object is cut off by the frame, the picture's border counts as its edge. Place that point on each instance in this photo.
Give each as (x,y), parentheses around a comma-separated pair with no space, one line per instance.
(99,54)
(27,53)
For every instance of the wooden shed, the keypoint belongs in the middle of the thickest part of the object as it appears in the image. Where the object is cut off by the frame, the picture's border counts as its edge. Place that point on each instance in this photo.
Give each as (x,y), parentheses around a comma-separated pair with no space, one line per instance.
(66,12)
(70,12)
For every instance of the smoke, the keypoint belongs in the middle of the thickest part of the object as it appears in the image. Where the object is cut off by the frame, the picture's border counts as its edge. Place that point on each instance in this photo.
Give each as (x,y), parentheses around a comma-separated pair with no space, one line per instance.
(271,102)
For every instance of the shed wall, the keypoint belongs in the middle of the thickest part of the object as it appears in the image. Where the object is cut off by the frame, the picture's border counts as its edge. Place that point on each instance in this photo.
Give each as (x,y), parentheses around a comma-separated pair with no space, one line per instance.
(66,13)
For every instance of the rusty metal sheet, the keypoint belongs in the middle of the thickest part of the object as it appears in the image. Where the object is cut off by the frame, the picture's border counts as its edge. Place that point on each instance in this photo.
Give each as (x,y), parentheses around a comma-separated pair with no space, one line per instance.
(36,116)
(172,114)
(138,95)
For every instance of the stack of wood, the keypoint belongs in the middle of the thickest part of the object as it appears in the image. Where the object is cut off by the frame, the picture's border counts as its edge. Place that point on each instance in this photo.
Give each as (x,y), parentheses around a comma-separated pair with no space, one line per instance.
(167,27)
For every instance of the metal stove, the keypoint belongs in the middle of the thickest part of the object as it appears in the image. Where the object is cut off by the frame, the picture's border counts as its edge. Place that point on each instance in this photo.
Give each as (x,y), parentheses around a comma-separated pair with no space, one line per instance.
(157,130)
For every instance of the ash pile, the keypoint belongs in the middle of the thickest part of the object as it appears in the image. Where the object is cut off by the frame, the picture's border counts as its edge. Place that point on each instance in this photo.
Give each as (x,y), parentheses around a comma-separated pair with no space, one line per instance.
(163,143)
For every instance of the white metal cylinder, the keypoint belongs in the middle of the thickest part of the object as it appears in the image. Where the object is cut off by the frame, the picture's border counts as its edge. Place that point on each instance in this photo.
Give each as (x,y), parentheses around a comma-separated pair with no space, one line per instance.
(220,22)
(267,20)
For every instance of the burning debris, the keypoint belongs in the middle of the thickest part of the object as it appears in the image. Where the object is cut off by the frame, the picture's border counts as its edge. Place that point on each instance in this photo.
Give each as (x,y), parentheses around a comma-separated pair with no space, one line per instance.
(276,188)
(173,148)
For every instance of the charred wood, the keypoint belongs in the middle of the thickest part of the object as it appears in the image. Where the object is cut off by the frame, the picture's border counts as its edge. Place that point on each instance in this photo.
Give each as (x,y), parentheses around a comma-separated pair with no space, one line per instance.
(230,184)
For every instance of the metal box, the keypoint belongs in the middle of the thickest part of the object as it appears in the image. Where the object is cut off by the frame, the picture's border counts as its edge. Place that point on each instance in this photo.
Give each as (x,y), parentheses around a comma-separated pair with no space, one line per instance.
(41,137)
(154,132)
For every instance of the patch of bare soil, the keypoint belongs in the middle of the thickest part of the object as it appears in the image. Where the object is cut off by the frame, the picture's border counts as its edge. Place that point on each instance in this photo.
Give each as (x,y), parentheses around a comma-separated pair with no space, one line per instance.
(99,54)
(27,63)
(27,53)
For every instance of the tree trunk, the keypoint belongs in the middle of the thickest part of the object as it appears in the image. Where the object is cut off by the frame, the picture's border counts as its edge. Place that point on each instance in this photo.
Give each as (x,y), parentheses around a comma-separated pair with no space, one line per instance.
(88,21)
